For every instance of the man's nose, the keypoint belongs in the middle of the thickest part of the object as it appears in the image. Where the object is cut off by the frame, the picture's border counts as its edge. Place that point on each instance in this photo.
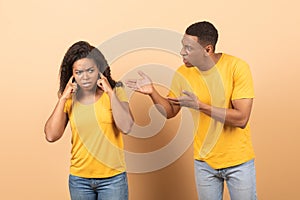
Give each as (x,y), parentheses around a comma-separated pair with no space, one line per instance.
(183,52)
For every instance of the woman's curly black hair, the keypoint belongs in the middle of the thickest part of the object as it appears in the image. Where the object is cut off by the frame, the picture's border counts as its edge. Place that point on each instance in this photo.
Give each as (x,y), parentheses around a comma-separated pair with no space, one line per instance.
(78,51)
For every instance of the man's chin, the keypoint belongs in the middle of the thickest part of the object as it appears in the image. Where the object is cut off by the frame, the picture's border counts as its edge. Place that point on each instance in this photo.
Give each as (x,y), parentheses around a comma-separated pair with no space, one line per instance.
(188,64)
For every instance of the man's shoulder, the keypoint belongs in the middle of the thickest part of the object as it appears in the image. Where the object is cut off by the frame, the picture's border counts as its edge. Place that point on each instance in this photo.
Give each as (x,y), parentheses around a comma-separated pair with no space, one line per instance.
(184,69)
(181,67)
(233,59)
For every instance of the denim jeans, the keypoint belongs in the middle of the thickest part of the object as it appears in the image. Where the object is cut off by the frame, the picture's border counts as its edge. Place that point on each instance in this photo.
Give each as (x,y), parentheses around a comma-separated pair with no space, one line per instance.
(111,188)
(240,180)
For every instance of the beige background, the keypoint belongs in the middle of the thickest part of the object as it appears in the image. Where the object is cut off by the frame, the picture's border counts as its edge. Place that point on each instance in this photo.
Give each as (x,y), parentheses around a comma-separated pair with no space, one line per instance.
(35,35)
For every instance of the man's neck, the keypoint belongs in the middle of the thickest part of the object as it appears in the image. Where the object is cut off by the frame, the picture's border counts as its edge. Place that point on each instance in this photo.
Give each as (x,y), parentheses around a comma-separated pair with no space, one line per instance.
(211,62)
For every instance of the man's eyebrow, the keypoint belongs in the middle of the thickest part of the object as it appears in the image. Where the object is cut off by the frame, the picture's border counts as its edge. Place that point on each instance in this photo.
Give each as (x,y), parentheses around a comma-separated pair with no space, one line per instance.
(188,45)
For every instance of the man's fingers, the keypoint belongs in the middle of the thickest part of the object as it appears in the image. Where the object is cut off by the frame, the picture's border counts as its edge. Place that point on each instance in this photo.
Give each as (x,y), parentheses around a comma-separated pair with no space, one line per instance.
(142,74)
(173,99)
(130,81)
(187,93)
(131,85)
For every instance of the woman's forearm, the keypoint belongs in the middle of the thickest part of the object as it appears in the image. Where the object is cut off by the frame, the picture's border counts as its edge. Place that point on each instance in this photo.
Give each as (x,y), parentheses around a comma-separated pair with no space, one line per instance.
(56,124)
(121,114)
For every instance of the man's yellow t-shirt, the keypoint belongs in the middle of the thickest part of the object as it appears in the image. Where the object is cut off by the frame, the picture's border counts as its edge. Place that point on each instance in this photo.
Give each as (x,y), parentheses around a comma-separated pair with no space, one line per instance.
(219,145)
(97,145)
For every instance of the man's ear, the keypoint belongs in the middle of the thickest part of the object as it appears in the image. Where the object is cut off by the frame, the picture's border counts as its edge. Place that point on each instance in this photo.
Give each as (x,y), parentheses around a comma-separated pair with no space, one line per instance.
(209,49)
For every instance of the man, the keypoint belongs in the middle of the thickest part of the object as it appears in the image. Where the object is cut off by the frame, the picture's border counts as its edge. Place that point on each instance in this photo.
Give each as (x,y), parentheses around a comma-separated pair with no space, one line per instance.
(220,87)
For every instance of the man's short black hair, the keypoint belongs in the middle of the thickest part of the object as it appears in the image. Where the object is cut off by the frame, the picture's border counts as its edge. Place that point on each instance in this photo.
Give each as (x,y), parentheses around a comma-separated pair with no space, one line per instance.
(205,31)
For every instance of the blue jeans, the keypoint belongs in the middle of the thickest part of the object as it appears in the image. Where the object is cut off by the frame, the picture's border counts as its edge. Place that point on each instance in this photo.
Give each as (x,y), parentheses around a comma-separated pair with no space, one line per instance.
(240,180)
(111,188)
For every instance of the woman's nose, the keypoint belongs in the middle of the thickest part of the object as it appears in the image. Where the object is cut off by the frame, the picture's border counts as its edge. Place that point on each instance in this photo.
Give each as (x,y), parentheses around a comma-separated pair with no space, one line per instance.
(85,75)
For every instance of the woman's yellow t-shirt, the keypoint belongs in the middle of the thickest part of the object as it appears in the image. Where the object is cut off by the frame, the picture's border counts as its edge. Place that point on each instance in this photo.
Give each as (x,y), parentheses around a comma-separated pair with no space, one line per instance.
(97,145)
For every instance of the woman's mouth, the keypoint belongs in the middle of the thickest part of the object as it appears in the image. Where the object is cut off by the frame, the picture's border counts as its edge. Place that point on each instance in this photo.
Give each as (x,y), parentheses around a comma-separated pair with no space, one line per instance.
(87,84)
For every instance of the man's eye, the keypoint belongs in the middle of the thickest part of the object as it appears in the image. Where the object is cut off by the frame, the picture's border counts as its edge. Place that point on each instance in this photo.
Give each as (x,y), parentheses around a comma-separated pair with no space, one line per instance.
(188,48)
(78,72)
(91,71)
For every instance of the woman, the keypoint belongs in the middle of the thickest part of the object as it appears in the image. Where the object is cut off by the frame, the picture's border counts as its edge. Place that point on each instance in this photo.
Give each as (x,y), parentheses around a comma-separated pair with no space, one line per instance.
(98,111)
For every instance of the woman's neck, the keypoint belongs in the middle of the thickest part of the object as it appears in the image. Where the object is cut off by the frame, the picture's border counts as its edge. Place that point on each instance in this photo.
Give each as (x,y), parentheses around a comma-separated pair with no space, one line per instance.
(88,97)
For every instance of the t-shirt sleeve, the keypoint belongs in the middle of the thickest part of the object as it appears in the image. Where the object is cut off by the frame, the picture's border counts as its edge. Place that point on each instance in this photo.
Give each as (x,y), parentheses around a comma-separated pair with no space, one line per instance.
(67,106)
(176,85)
(243,82)
(121,93)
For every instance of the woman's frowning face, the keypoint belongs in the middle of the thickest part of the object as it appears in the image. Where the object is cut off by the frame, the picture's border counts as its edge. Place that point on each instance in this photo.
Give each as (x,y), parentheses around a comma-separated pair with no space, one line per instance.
(86,73)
